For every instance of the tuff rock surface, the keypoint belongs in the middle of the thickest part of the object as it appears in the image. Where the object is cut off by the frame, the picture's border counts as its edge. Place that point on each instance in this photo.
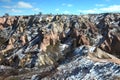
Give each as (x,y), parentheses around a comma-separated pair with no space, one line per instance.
(60,47)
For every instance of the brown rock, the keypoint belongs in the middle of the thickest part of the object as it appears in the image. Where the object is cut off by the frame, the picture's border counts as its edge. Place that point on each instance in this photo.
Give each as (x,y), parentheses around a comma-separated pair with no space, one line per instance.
(84,40)
(115,45)
(112,45)
(102,56)
(62,35)
(49,39)
(23,39)
(1,27)
(75,33)
(2,20)
(92,27)
(45,42)
(53,38)
(9,46)
(10,21)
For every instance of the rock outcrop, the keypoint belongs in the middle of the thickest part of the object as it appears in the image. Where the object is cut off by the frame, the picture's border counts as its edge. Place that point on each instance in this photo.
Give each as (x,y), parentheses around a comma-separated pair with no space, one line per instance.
(60,47)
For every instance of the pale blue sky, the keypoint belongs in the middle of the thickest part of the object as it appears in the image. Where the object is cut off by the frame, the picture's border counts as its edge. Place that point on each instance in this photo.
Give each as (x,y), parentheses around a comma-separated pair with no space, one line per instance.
(27,7)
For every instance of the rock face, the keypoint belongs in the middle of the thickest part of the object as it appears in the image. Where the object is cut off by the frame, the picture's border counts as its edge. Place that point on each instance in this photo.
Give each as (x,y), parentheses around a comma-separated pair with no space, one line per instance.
(84,69)
(51,47)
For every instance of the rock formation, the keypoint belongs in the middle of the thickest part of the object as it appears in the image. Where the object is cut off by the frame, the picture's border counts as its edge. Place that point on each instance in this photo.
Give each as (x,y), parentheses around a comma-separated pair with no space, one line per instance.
(67,47)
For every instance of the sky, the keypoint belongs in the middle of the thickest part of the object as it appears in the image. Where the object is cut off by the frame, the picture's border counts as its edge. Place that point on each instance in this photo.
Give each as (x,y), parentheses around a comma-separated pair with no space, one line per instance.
(31,7)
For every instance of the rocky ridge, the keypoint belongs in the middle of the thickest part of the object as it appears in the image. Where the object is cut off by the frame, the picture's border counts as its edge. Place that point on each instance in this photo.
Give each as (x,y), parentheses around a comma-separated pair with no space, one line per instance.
(68,46)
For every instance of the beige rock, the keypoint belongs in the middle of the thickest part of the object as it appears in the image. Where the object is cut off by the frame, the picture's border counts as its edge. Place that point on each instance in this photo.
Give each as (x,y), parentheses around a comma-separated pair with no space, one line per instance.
(1,27)
(9,46)
(102,56)
(48,39)
(9,22)
(46,60)
(2,20)
(23,38)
